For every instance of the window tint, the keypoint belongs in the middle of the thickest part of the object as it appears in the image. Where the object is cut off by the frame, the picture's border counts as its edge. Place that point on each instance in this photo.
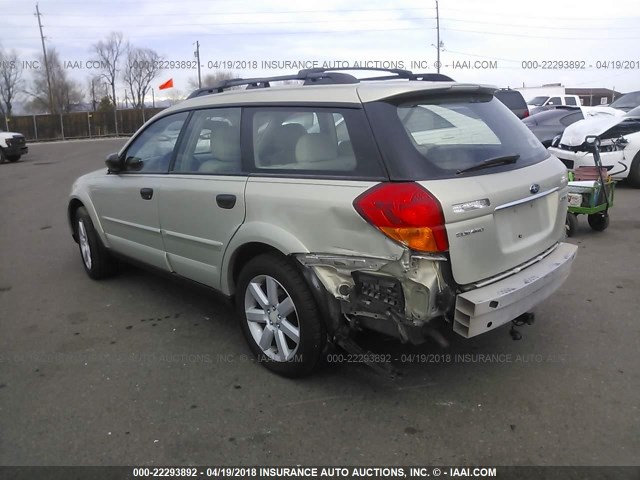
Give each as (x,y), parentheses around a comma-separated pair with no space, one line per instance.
(554,101)
(211,143)
(569,119)
(152,150)
(570,101)
(633,112)
(627,102)
(538,101)
(545,117)
(511,99)
(314,141)
(481,128)
(459,125)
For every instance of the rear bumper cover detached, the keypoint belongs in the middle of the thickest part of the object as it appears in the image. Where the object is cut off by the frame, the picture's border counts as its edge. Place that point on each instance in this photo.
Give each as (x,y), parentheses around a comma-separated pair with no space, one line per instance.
(491,306)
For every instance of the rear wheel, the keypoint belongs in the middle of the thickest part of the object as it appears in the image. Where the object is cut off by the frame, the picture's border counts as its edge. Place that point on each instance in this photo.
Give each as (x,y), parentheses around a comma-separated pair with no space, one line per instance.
(599,221)
(97,261)
(279,317)
(571,224)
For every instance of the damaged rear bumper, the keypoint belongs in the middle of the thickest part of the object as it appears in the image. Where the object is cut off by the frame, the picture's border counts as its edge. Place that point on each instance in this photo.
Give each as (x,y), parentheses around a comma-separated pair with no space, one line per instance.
(401,297)
(485,308)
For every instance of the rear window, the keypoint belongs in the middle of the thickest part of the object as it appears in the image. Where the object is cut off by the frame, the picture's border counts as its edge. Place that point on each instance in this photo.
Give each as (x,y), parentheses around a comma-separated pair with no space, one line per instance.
(511,99)
(627,102)
(538,101)
(437,137)
(571,118)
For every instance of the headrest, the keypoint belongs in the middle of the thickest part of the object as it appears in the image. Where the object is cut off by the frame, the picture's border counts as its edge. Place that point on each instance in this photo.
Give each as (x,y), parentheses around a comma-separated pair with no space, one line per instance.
(225,143)
(214,124)
(315,147)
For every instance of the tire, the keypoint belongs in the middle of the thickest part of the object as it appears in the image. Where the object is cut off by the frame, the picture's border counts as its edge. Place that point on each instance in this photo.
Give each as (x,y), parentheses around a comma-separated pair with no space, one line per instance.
(13,158)
(571,224)
(2,157)
(634,172)
(598,221)
(97,261)
(275,306)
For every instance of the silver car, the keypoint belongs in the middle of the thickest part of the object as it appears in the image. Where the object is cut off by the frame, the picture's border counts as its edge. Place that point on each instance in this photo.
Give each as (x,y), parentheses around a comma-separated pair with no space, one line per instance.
(336,205)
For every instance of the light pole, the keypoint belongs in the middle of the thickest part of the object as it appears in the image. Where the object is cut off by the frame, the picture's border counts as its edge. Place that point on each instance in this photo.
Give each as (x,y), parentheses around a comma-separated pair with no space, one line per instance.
(438,35)
(197,55)
(439,47)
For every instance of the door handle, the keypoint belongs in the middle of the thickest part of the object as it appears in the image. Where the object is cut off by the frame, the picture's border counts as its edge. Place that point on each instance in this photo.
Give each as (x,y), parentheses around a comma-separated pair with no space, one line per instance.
(146,193)
(226,201)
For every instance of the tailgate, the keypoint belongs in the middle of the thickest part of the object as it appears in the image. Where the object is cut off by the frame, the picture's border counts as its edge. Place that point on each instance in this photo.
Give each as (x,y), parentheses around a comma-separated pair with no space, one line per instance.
(522,213)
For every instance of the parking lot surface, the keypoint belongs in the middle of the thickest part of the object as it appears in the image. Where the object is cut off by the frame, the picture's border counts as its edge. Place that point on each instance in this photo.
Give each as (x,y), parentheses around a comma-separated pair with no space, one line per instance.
(146,369)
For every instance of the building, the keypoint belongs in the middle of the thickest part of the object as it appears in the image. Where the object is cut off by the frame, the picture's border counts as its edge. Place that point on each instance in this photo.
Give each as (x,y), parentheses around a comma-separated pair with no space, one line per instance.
(591,97)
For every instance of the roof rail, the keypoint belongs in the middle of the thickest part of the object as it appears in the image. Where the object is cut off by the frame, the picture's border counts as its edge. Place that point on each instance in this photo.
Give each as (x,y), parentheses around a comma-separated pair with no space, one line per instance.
(308,77)
(318,76)
(397,71)
(432,77)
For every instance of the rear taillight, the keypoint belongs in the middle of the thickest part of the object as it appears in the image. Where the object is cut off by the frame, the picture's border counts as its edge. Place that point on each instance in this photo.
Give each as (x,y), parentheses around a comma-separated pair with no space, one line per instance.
(406,213)
(526,113)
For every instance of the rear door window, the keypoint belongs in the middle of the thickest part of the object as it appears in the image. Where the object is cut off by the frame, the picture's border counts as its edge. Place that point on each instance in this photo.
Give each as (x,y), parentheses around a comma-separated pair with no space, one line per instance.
(211,143)
(312,141)
(570,101)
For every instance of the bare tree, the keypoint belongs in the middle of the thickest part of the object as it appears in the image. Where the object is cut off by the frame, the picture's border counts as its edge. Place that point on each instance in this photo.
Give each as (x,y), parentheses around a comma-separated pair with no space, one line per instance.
(93,90)
(10,80)
(175,95)
(65,93)
(211,79)
(109,52)
(141,68)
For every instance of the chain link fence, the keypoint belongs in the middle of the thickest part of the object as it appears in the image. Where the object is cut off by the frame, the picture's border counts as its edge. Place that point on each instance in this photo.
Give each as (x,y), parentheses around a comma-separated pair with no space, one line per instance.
(74,125)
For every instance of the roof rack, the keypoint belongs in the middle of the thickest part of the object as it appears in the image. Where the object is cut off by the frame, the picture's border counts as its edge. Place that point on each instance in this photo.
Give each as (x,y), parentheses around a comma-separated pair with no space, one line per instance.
(432,77)
(308,77)
(319,76)
(399,73)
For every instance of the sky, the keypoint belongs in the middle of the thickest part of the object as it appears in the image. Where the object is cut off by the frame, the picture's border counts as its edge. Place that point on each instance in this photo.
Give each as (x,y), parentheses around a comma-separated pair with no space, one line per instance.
(519,38)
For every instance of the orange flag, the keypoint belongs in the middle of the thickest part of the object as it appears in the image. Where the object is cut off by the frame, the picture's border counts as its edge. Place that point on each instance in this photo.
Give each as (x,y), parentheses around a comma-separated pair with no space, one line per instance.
(167,84)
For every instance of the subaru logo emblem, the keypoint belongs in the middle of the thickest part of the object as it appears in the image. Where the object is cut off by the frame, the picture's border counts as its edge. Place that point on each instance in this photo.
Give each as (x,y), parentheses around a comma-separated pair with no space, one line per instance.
(535,188)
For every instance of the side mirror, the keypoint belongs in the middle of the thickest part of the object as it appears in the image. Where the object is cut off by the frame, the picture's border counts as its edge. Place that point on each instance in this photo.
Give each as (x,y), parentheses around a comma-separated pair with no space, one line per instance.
(114,163)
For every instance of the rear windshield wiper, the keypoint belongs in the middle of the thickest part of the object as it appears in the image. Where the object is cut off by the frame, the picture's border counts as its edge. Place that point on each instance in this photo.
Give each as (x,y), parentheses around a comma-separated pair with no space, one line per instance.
(491,162)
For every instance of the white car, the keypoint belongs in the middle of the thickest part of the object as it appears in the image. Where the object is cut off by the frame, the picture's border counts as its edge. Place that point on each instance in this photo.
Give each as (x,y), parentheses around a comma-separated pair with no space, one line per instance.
(12,146)
(619,145)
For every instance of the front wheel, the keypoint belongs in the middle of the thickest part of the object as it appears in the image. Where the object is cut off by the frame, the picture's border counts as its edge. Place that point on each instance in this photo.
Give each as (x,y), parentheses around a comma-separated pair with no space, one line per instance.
(598,221)
(13,158)
(97,261)
(279,317)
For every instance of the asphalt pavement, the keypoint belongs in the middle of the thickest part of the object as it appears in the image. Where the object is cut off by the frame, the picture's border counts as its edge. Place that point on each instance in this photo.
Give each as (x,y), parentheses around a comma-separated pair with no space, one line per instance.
(147,369)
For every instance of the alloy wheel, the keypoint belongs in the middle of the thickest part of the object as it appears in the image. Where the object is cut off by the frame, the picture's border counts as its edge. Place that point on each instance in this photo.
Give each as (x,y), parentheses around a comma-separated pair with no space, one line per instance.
(272,318)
